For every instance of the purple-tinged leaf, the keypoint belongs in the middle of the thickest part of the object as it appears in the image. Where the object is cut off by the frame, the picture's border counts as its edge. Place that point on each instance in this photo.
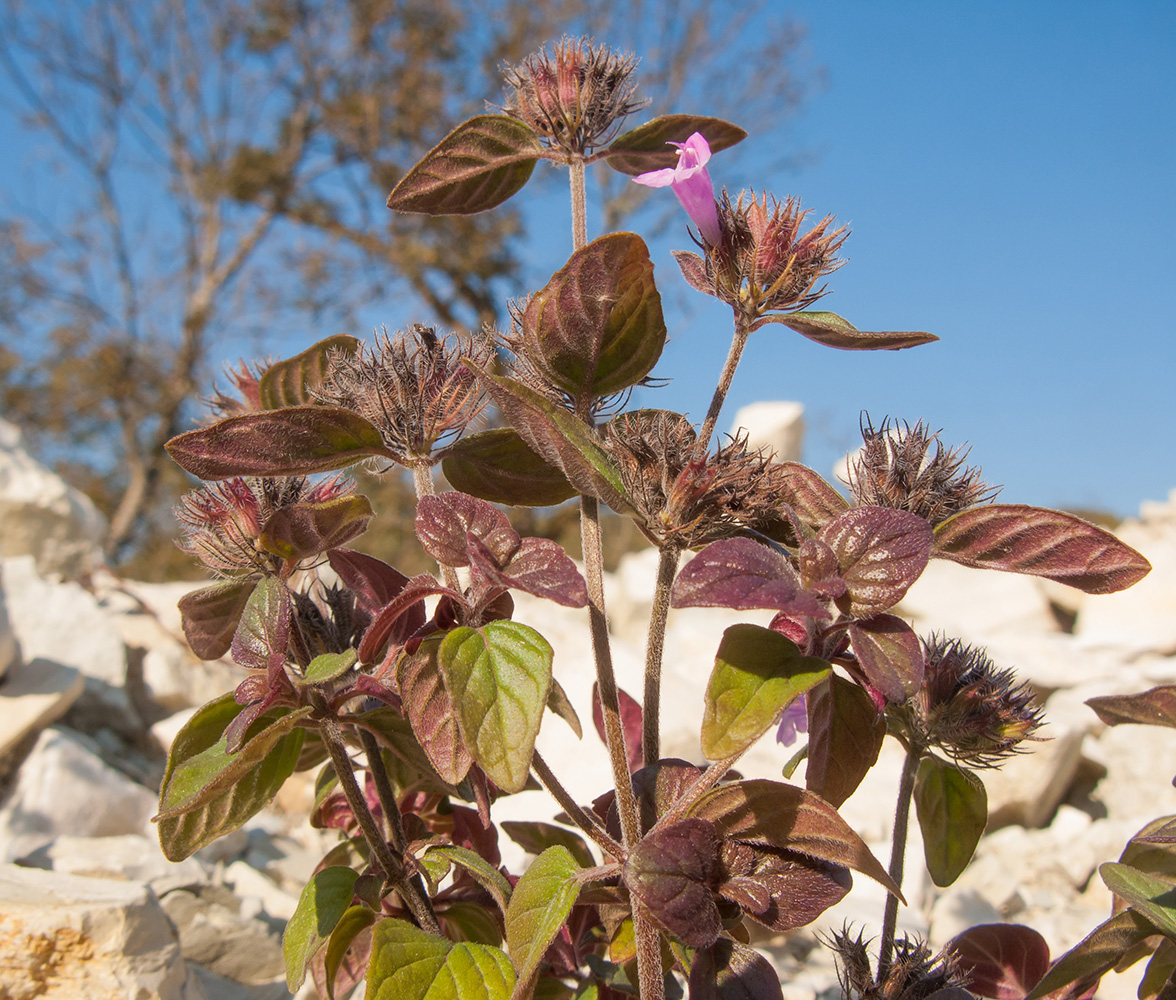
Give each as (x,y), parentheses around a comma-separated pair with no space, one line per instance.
(296,441)
(400,619)
(535,838)
(478,166)
(395,734)
(498,466)
(428,707)
(559,438)
(673,872)
(444,521)
(845,737)
(324,900)
(558,703)
(630,724)
(1001,961)
(693,269)
(813,500)
(742,574)
(881,552)
(732,971)
(757,674)
(597,327)
(788,818)
(210,616)
(1048,543)
(889,655)
(479,868)
(1156,707)
(952,807)
(833,331)
(820,572)
(1080,969)
(647,147)
(289,383)
(264,631)
(499,677)
(373,582)
(539,566)
(539,906)
(781,889)
(308,529)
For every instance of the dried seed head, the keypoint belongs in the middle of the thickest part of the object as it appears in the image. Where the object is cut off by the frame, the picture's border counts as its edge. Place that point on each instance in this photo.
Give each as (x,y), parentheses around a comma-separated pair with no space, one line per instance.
(763,263)
(913,974)
(685,496)
(223,521)
(897,467)
(576,97)
(967,707)
(411,386)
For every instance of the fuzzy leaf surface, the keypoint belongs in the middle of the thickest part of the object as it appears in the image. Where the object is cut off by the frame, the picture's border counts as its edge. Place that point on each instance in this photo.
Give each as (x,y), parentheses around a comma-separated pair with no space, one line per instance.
(324,900)
(952,807)
(558,703)
(742,574)
(296,441)
(811,497)
(757,674)
(597,327)
(646,147)
(307,529)
(327,666)
(499,677)
(1156,707)
(289,382)
(538,908)
(881,552)
(410,964)
(396,736)
(489,877)
(693,269)
(264,630)
(400,618)
(1081,968)
(429,709)
(1153,897)
(890,655)
(210,616)
(535,838)
(354,922)
(673,872)
(1004,961)
(559,438)
(732,971)
(444,521)
(478,166)
(631,718)
(539,566)
(845,736)
(1048,543)
(834,331)
(373,582)
(497,465)
(789,818)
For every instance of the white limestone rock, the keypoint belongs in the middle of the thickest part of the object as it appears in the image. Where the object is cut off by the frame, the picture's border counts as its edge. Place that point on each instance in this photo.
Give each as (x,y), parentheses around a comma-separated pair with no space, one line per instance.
(42,516)
(132,857)
(776,426)
(35,695)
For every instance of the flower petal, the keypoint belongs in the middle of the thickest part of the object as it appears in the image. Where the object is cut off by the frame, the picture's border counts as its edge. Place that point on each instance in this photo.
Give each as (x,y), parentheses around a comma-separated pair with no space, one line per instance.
(657,178)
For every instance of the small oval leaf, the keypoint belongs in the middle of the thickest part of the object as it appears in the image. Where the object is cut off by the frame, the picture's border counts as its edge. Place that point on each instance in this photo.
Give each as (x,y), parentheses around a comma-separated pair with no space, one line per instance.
(1002,961)
(210,616)
(429,709)
(324,900)
(833,331)
(1156,707)
(881,552)
(889,654)
(303,530)
(498,466)
(952,807)
(538,908)
(646,147)
(846,733)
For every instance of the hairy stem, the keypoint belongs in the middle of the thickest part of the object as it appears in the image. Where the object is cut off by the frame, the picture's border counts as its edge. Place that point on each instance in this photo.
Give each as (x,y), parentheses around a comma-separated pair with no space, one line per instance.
(422,480)
(579,204)
(738,342)
(667,566)
(384,790)
(583,819)
(902,817)
(393,870)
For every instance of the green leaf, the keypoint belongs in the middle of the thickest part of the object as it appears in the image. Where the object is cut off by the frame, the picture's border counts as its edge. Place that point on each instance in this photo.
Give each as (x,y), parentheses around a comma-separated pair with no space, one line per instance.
(540,905)
(1048,543)
(491,879)
(833,331)
(1090,959)
(952,806)
(303,530)
(296,441)
(757,674)
(646,147)
(560,704)
(498,466)
(1159,971)
(410,964)
(351,925)
(210,616)
(535,837)
(324,900)
(597,327)
(1150,896)
(289,383)
(846,733)
(326,667)
(499,677)
(478,166)
(207,792)
(429,708)
(560,438)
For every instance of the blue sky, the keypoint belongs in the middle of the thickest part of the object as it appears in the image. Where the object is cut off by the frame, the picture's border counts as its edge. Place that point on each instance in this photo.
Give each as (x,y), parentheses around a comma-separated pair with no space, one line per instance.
(1009,172)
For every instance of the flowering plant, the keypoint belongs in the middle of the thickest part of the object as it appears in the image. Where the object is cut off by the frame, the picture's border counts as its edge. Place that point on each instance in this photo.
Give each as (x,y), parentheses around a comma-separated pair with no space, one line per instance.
(419,699)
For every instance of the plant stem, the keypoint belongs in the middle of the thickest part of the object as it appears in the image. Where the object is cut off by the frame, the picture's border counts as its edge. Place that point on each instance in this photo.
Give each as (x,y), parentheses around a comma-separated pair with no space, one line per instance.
(579,204)
(738,342)
(583,819)
(384,790)
(667,566)
(392,869)
(422,480)
(902,817)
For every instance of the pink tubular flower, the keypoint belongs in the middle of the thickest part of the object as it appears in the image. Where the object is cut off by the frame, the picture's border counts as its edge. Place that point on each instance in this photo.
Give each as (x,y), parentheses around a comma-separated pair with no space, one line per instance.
(692,185)
(794,722)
